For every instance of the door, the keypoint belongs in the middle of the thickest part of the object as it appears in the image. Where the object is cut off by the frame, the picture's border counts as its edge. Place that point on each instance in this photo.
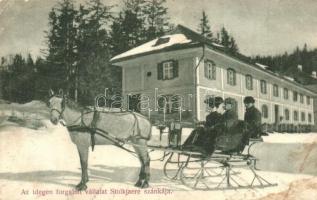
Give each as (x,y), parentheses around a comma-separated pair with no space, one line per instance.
(276,114)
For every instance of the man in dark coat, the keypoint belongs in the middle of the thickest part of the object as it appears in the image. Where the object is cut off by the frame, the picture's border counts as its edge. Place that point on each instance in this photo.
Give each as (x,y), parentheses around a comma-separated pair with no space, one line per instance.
(252,118)
(230,116)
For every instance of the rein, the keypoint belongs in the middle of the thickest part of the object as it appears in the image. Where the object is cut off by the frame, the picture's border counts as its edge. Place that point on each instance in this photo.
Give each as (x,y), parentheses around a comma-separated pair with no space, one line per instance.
(60,113)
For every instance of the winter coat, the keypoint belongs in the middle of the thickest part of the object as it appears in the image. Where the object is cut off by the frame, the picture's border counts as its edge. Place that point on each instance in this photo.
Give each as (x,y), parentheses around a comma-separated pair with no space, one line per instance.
(252,118)
(212,119)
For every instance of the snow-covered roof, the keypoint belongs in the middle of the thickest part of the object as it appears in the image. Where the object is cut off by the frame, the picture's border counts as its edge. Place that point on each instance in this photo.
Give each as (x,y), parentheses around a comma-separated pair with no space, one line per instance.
(289,78)
(217,45)
(262,66)
(152,45)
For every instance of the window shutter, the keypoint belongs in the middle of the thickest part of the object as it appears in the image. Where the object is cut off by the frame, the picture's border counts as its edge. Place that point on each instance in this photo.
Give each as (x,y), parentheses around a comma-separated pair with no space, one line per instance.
(234,77)
(175,68)
(214,71)
(206,69)
(160,71)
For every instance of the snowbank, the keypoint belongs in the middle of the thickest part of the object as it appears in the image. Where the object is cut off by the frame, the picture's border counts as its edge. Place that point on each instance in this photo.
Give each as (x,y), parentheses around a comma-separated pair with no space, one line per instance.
(24,149)
(290,138)
(29,115)
(291,153)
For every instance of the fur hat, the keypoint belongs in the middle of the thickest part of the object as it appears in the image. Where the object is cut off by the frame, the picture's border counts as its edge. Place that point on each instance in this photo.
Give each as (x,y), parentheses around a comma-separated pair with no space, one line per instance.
(248,99)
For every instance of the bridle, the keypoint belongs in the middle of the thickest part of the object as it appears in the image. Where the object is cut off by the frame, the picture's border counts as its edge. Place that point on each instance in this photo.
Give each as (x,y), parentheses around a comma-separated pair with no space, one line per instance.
(60,113)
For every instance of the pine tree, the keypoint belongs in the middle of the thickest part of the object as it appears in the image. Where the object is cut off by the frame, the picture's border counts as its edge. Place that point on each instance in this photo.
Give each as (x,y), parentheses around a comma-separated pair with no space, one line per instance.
(204,27)
(119,41)
(228,42)
(127,30)
(225,38)
(61,39)
(156,18)
(233,47)
(93,72)
(138,22)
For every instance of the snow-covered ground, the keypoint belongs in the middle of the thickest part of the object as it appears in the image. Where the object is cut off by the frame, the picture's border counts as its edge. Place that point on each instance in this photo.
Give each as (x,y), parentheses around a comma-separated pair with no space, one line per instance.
(44,164)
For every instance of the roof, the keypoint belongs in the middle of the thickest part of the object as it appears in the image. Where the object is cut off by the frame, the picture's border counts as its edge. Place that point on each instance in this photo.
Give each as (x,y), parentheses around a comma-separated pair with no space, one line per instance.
(312,87)
(179,38)
(182,37)
(154,45)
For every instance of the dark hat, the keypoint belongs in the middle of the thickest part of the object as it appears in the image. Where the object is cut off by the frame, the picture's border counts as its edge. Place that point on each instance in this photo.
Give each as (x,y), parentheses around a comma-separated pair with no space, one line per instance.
(230,101)
(214,101)
(218,100)
(248,99)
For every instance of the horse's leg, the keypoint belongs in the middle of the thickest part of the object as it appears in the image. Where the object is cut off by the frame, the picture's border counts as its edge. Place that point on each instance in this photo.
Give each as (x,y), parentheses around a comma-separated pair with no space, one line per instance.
(142,151)
(83,155)
(141,174)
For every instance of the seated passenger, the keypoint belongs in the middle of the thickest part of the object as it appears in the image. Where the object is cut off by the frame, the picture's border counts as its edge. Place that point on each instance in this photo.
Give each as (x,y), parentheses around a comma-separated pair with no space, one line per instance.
(207,140)
(229,117)
(201,139)
(230,132)
(214,117)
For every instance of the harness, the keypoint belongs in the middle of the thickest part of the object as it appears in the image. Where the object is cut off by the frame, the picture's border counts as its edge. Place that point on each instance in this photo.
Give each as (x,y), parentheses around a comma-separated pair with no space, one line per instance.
(93,130)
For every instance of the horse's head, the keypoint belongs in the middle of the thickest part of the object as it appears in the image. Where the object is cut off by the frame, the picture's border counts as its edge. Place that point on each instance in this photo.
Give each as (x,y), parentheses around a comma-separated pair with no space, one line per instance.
(56,104)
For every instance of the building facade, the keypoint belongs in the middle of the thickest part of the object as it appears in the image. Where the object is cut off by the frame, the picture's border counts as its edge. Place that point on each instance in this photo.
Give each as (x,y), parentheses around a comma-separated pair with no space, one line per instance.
(314,88)
(172,77)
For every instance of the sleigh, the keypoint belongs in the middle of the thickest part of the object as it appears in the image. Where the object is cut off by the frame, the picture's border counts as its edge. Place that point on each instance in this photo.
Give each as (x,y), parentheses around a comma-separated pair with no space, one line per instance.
(229,164)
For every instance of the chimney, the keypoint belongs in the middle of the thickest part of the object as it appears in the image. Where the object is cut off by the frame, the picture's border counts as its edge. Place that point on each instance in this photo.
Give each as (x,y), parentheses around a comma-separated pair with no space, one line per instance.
(300,67)
(314,74)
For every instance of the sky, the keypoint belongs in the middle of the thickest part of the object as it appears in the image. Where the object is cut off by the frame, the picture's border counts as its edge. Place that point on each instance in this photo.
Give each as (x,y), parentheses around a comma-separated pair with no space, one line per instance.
(264,27)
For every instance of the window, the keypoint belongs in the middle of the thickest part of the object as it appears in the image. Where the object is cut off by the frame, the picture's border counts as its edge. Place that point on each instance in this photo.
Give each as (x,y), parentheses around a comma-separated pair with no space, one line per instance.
(301,98)
(286,114)
(275,90)
(263,87)
(308,100)
(285,93)
(249,82)
(231,76)
(208,102)
(294,96)
(309,118)
(265,111)
(303,116)
(167,70)
(210,70)
(295,116)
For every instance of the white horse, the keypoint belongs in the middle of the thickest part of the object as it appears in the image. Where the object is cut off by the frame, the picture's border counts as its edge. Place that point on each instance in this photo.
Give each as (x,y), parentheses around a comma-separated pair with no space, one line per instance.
(127,126)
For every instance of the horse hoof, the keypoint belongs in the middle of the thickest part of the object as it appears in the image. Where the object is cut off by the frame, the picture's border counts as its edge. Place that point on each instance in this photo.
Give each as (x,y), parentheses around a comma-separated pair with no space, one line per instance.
(81,187)
(145,184)
(138,184)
